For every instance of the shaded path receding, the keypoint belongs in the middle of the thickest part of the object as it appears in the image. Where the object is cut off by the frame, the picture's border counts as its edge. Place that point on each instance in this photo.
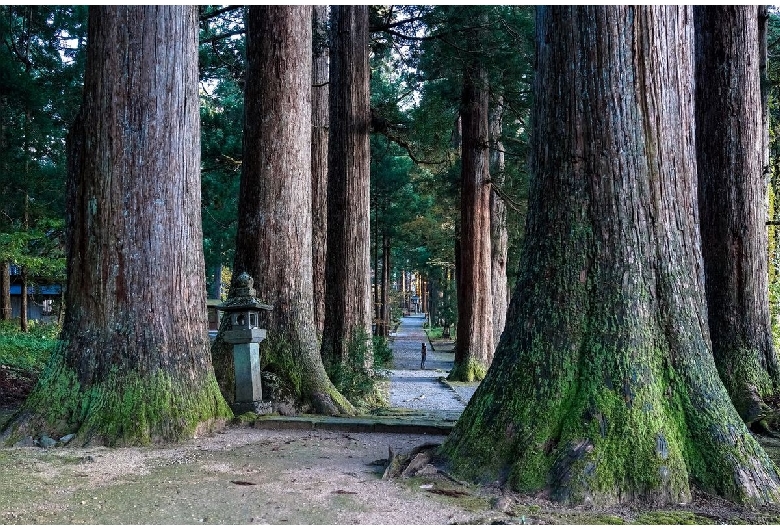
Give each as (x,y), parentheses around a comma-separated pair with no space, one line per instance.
(413,388)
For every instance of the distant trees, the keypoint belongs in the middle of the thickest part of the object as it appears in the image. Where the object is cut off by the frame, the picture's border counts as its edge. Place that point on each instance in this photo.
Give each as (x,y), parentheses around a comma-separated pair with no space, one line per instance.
(134,363)
(42,59)
(604,388)
(437,69)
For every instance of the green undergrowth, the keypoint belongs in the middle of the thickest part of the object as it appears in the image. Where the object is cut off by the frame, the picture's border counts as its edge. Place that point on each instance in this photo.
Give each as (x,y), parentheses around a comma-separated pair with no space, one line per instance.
(360,385)
(27,352)
(662,517)
(434,333)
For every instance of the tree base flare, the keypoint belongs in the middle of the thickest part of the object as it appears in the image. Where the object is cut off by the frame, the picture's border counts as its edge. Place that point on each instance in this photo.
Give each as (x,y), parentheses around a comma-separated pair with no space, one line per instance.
(467,372)
(126,409)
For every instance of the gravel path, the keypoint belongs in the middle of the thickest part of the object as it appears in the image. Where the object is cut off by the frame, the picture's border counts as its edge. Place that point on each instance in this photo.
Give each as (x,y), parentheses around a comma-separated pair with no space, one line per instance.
(413,388)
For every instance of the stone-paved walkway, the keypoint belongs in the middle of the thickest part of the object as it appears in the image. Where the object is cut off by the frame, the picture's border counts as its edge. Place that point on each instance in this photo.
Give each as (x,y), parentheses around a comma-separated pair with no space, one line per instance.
(423,390)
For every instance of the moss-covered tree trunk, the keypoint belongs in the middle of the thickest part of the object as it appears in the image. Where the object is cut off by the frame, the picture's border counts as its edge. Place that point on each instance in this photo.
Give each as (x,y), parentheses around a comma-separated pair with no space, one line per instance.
(731,159)
(348,268)
(604,389)
(274,234)
(319,158)
(133,365)
(474,342)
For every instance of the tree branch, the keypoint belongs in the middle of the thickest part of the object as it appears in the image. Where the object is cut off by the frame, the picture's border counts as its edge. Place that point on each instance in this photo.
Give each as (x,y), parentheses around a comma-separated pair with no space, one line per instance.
(222,36)
(381,126)
(214,14)
(389,25)
(503,196)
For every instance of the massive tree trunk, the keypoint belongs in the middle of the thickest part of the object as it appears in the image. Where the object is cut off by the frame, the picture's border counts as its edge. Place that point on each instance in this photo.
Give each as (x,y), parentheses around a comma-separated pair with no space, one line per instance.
(474,342)
(732,199)
(499,239)
(348,281)
(5,291)
(274,234)
(134,364)
(319,159)
(604,388)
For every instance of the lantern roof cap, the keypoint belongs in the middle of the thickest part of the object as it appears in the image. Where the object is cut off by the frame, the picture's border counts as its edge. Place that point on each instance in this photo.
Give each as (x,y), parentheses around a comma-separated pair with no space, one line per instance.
(244,296)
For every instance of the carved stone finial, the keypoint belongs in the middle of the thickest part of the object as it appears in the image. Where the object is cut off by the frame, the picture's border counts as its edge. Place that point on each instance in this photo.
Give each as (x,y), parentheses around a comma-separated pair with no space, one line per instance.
(245,286)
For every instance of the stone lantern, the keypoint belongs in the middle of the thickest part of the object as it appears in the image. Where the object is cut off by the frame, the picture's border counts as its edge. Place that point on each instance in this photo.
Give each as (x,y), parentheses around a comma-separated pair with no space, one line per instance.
(243,332)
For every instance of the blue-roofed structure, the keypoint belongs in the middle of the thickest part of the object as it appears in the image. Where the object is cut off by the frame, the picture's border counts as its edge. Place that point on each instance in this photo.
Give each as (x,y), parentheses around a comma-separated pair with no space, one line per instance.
(42,300)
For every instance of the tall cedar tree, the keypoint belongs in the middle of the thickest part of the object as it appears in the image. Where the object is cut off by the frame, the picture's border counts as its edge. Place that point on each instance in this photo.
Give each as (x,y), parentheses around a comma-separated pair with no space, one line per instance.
(347,267)
(732,198)
(474,343)
(274,238)
(319,158)
(134,363)
(604,388)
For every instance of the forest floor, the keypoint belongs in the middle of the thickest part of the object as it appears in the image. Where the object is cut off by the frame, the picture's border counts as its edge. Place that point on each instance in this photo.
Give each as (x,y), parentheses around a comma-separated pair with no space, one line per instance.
(245,475)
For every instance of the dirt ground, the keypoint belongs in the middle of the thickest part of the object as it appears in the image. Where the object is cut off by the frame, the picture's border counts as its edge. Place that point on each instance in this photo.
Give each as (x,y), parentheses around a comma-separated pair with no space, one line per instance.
(239,476)
(244,475)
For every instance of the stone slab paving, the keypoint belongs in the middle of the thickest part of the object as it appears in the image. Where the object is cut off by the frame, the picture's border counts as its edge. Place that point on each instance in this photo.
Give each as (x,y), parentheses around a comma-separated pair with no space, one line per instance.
(424,390)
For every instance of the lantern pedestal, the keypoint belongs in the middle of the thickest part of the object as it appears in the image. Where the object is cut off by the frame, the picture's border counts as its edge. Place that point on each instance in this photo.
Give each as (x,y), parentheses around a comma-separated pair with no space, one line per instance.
(246,360)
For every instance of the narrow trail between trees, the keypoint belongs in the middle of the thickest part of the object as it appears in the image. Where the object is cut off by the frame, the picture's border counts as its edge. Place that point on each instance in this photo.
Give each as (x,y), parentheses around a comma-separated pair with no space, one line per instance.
(424,389)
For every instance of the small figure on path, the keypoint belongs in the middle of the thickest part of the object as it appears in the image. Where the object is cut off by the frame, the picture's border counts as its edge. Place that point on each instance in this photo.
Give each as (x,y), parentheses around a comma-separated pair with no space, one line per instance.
(422,359)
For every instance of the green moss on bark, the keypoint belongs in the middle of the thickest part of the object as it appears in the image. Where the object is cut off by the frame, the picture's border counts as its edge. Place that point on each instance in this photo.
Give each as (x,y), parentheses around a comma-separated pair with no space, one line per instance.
(469,371)
(602,441)
(746,381)
(124,409)
(304,376)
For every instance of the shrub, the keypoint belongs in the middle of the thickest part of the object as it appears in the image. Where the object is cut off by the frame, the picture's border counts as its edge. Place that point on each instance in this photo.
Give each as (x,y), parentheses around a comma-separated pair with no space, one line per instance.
(27,352)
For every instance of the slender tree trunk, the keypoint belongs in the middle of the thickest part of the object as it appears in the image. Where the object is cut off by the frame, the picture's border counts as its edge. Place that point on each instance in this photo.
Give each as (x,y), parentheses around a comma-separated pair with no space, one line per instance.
(5,291)
(433,303)
(24,316)
(375,286)
(274,235)
(134,366)
(604,388)
(499,239)
(732,199)
(474,342)
(216,287)
(319,158)
(385,285)
(348,282)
